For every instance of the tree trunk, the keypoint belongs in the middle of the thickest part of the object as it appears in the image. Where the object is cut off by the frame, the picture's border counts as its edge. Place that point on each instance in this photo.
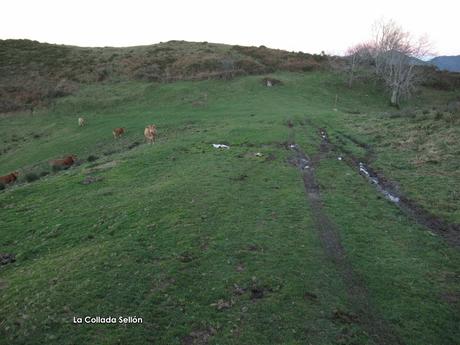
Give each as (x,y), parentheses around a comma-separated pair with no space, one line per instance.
(395,97)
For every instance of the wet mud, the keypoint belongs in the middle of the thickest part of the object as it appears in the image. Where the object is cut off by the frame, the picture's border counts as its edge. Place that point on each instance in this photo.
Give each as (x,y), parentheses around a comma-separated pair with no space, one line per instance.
(376,327)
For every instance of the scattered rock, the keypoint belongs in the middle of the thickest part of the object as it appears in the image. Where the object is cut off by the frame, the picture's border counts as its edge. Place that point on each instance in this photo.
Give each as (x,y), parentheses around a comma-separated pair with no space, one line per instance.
(238,290)
(240,268)
(344,317)
(257,293)
(269,82)
(310,296)
(91,179)
(185,257)
(221,146)
(6,258)
(222,304)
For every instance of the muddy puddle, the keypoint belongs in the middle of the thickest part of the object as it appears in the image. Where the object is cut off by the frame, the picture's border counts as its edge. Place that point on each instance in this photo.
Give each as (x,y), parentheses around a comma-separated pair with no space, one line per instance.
(329,236)
(449,231)
(373,179)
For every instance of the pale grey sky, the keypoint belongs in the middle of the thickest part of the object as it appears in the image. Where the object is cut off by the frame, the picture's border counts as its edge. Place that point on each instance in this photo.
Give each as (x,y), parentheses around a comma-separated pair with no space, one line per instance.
(309,26)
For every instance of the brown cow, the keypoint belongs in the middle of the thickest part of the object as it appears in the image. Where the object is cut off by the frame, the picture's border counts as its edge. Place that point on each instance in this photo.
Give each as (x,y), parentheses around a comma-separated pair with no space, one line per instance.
(118,132)
(10,178)
(63,163)
(150,133)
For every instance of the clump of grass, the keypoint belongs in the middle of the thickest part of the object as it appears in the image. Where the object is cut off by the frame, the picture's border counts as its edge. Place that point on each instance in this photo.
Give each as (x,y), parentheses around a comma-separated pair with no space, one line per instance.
(2,186)
(44,173)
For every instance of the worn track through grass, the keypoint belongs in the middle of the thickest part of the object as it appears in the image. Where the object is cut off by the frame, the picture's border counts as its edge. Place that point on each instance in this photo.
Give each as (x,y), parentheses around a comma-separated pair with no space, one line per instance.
(376,327)
(449,231)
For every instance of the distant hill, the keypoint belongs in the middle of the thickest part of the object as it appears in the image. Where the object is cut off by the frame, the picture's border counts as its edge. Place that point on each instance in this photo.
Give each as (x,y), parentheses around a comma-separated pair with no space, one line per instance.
(34,73)
(447,63)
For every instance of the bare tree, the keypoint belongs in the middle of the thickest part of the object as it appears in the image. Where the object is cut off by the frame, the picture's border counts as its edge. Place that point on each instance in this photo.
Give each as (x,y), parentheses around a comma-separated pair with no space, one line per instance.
(357,56)
(396,57)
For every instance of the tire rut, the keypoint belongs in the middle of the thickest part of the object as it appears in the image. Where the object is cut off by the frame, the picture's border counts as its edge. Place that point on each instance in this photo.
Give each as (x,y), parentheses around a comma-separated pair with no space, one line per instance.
(449,231)
(376,327)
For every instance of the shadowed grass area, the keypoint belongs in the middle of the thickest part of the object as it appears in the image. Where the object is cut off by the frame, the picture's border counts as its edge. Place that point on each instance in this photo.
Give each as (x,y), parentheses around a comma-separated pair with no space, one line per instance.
(212,245)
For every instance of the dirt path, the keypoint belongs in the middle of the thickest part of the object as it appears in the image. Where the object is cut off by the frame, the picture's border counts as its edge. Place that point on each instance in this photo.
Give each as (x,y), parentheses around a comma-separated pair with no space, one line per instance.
(449,231)
(376,327)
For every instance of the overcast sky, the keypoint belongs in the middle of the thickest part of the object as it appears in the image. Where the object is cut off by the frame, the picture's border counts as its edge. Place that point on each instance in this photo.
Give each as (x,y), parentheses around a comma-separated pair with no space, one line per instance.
(308,26)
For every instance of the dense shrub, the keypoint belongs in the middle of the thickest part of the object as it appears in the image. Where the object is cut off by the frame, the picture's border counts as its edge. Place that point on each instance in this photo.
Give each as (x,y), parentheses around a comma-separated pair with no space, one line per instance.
(251,67)
(33,74)
(149,73)
(441,80)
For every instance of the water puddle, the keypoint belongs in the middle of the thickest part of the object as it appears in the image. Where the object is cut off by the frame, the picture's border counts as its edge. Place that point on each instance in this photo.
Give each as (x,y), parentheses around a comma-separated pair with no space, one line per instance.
(365,171)
(372,178)
(301,161)
(450,231)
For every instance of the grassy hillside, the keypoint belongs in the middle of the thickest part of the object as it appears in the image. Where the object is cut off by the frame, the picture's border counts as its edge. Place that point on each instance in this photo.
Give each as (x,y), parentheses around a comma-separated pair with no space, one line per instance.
(216,246)
(34,74)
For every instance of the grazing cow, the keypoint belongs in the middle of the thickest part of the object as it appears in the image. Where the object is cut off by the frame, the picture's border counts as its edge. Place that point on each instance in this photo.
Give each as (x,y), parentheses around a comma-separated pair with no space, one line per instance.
(81,121)
(63,163)
(10,178)
(118,132)
(150,133)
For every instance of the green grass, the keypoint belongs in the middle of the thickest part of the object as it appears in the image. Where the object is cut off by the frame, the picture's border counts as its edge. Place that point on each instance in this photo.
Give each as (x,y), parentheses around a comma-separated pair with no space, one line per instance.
(170,228)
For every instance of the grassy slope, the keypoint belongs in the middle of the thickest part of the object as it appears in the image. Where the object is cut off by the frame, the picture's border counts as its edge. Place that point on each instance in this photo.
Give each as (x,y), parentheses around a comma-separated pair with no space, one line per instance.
(163,234)
(34,74)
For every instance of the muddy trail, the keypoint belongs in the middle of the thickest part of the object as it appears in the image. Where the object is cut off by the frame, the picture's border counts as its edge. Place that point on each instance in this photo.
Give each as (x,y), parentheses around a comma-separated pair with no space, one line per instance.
(364,314)
(449,231)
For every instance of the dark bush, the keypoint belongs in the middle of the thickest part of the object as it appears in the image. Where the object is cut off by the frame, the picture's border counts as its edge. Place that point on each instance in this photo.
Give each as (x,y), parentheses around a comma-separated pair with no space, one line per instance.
(2,186)
(151,72)
(30,177)
(250,66)
(92,158)
(133,145)
(441,80)
(44,173)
